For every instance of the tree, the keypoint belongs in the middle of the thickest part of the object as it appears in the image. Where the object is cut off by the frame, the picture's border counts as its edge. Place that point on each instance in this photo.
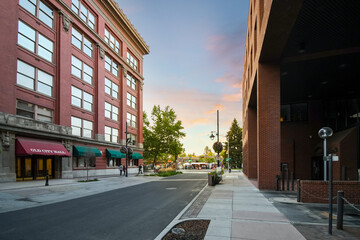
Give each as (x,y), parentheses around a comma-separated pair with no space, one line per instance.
(162,135)
(234,137)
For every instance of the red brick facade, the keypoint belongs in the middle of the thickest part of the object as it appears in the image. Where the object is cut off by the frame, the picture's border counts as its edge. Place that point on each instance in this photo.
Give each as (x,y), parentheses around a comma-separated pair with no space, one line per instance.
(101,16)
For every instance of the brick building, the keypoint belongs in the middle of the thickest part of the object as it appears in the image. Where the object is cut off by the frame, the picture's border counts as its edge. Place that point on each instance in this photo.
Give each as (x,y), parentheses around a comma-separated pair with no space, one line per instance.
(72,80)
(301,73)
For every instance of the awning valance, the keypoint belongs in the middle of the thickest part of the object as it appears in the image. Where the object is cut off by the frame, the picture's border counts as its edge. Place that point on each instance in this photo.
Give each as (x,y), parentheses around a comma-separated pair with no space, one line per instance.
(114,154)
(29,146)
(82,151)
(136,155)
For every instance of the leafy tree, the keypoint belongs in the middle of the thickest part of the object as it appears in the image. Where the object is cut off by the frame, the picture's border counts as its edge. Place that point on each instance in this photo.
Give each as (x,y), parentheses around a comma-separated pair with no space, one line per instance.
(162,135)
(235,143)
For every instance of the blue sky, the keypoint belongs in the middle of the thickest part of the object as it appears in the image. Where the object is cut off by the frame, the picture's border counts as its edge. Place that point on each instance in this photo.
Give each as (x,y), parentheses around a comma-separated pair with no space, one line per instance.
(195,63)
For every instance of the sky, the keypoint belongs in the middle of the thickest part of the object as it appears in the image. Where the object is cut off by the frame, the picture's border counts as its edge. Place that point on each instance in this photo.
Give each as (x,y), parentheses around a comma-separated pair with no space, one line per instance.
(195,62)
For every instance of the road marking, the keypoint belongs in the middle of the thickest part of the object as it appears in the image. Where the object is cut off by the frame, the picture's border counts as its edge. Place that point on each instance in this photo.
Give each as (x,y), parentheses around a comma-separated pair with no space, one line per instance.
(326,214)
(170,188)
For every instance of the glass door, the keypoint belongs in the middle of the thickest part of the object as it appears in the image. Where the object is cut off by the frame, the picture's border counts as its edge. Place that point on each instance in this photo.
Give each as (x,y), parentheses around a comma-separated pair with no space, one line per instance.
(49,167)
(28,172)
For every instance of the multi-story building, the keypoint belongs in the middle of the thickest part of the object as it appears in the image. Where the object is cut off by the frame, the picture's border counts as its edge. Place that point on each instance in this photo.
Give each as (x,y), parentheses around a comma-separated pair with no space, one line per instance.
(301,73)
(72,85)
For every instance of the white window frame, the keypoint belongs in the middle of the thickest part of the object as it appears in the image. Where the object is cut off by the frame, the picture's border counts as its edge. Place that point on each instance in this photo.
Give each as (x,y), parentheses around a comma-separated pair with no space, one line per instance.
(86,45)
(112,41)
(37,111)
(111,112)
(111,88)
(85,99)
(35,42)
(132,61)
(86,72)
(40,10)
(131,100)
(111,65)
(131,120)
(84,13)
(131,82)
(84,127)
(111,134)
(34,77)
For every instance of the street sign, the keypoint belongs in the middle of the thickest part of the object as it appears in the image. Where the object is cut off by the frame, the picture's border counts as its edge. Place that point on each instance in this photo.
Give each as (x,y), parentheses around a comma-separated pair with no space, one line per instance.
(228,159)
(217,157)
(189,160)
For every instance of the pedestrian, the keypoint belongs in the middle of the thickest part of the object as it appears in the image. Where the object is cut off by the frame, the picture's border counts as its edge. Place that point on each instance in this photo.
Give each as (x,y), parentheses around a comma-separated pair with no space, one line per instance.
(140,169)
(121,169)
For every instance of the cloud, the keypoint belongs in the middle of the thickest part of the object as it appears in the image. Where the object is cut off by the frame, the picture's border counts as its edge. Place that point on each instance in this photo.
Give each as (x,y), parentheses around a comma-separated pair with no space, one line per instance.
(219,107)
(236,97)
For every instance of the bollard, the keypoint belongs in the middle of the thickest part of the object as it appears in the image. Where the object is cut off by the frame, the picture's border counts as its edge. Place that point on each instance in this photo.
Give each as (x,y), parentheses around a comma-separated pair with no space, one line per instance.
(282,181)
(47,178)
(298,190)
(287,180)
(340,210)
(277,182)
(292,181)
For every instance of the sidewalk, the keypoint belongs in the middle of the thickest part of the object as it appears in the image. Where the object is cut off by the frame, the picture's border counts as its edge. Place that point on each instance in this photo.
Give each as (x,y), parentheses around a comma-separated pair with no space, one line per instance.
(20,195)
(238,210)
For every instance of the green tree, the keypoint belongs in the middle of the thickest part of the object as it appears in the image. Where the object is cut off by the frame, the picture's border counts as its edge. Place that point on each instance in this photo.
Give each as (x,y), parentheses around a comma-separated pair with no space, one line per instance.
(235,144)
(162,135)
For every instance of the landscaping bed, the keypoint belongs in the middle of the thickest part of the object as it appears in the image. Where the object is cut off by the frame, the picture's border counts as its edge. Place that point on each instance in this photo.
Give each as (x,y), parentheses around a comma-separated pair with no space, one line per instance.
(192,230)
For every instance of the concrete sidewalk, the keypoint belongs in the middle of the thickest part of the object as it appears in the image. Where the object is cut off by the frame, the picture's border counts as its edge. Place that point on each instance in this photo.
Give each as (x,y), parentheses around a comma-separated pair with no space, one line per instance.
(237,210)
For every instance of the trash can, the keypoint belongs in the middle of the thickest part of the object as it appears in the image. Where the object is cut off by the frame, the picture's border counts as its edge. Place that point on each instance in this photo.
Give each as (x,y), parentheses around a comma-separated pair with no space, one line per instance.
(211,179)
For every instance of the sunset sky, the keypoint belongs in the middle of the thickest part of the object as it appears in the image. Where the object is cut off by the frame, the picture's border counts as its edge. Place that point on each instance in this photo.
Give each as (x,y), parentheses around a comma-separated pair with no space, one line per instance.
(195,63)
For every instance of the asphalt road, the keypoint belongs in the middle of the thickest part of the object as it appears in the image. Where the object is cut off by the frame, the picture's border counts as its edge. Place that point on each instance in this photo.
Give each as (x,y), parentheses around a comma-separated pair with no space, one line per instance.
(136,212)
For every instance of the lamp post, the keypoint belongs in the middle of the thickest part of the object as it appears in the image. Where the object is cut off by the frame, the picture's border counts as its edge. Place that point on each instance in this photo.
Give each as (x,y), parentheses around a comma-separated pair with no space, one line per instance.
(217,145)
(325,133)
(126,146)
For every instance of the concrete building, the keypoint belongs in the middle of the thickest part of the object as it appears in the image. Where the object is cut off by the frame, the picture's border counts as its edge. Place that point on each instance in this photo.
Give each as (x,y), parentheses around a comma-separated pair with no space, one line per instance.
(72,80)
(301,73)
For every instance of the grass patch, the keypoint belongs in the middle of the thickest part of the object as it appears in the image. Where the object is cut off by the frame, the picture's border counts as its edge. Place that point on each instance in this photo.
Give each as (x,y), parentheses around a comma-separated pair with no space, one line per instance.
(166,172)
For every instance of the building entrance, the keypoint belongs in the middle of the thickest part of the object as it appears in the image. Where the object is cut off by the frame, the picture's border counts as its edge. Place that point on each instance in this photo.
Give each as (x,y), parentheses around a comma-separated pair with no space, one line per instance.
(34,167)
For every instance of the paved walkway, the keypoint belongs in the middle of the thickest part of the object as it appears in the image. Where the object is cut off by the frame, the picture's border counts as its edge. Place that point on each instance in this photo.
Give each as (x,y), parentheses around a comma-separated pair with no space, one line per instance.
(238,210)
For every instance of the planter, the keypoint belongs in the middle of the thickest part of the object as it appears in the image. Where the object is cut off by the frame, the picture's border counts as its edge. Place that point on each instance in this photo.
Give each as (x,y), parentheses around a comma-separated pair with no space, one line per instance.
(211,179)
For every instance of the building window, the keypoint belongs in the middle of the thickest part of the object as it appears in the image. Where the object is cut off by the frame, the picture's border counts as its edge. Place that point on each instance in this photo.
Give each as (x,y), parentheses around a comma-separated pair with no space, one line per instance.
(131,120)
(131,100)
(81,127)
(39,10)
(131,138)
(81,99)
(80,9)
(111,111)
(83,162)
(81,70)
(81,42)
(111,66)
(111,134)
(297,112)
(35,42)
(112,41)
(33,111)
(132,61)
(34,79)
(111,88)
(131,82)
(113,162)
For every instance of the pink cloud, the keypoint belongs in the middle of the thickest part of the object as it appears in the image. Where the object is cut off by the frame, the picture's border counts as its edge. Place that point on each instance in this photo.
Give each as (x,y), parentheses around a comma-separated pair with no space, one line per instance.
(236,97)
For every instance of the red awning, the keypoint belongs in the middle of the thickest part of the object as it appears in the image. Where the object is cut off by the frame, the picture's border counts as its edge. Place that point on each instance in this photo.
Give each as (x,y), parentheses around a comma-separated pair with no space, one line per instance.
(28,146)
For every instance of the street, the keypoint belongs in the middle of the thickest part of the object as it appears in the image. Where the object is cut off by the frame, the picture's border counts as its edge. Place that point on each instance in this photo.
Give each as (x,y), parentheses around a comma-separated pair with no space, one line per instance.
(136,212)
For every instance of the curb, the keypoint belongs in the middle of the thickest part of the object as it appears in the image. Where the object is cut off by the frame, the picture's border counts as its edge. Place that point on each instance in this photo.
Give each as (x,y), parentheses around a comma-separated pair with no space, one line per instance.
(177,220)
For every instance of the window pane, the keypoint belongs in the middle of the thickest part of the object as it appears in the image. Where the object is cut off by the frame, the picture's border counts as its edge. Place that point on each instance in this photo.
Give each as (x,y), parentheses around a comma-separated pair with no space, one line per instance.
(87,124)
(44,118)
(45,78)
(46,43)
(88,70)
(87,106)
(26,37)
(84,12)
(44,53)
(75,92)
(76,101)
(46,14)
(87,78)
(45,89)
(26,69)
(29,5)
(76,38)
(75,6)
(87,133)
(88,97)
(76,131)
(75,122)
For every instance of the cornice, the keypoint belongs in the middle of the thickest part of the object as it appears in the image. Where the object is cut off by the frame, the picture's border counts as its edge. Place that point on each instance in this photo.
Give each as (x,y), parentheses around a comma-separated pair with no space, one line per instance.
(99,38)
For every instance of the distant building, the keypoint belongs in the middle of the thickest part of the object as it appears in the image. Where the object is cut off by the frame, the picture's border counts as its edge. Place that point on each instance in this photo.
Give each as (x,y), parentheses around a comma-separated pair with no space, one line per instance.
(301,73)
(72,77)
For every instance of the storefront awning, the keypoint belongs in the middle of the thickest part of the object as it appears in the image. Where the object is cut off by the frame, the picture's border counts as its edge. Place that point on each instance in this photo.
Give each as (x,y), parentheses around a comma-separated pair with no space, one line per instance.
(82,151)
(136,155)
(114,154)
(29,146)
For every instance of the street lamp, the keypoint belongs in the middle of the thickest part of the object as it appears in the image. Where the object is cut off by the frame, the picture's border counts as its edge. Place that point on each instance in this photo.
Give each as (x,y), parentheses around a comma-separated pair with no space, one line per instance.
(325,133)
(217,145)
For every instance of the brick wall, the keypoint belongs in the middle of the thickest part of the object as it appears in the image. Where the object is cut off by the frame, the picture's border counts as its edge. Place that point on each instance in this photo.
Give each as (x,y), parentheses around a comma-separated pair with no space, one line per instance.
(318,191)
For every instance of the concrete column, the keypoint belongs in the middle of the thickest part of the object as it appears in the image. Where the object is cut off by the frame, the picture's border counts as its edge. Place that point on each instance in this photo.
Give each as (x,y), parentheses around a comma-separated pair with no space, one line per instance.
(268,125)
